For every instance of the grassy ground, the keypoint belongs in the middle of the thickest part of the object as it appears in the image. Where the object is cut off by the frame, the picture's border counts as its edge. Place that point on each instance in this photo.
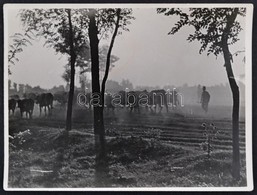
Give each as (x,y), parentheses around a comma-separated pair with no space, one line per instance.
(157,150)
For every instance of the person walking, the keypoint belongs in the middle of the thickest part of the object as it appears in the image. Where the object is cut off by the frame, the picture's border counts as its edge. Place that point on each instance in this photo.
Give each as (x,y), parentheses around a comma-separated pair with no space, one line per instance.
(205,98)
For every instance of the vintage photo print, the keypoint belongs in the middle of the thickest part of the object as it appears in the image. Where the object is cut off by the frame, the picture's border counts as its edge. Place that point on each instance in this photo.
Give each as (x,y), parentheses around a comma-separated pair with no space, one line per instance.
(128,97)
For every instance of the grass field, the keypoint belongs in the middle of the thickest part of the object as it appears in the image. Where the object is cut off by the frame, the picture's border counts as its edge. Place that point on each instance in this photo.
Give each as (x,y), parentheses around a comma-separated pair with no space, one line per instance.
(144,150)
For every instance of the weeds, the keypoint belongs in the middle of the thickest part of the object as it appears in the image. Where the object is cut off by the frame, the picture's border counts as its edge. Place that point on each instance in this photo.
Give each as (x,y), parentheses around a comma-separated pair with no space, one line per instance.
(210,133)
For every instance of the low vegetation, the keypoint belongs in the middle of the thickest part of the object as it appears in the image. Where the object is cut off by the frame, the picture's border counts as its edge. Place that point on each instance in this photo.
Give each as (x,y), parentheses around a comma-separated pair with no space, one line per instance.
(38,159)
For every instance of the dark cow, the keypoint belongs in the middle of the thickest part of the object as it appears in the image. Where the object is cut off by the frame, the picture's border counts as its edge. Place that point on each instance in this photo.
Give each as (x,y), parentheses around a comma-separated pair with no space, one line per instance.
(26,105)
(133,100)
(172,99)
(159,98)
(108,102)
(12,105)
(45,100)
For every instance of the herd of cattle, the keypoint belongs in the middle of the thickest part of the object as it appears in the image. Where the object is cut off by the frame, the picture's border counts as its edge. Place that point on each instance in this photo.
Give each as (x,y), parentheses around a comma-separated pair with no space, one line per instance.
(136,100)
(44,100)
(132,100)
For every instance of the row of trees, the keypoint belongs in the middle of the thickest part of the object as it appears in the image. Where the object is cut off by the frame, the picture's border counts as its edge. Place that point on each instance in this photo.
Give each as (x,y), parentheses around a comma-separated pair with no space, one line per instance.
(20,89)
(74,32)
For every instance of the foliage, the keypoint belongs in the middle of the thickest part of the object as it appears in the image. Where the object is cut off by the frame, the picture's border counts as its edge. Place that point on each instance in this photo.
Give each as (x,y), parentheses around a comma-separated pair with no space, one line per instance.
(210,133)
(106,18)
(19,138)
(209,25)
(19,41)
(84,61)
(53,25)
(103,57)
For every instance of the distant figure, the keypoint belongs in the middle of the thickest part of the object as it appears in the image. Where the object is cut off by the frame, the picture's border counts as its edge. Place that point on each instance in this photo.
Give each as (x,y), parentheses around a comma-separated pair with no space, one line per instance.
(205,99)
(199,93)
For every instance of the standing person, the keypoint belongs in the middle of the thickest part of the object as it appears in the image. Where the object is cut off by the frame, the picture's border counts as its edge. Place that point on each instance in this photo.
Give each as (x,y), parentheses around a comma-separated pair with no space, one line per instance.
(205,99)
(199,94)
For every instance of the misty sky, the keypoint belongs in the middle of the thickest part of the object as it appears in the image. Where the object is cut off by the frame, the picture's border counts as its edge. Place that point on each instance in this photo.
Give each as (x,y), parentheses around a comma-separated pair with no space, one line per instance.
(148,56)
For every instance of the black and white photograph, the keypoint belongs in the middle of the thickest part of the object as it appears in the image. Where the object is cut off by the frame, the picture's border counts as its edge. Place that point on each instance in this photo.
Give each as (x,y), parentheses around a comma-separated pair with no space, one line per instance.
(130,97)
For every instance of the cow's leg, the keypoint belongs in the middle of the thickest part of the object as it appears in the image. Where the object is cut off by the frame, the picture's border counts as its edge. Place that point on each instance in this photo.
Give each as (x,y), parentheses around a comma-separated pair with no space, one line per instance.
(167,108)
(31,112)
(45,110)
(21,114)
(49,110)
(160,106)
(40,108)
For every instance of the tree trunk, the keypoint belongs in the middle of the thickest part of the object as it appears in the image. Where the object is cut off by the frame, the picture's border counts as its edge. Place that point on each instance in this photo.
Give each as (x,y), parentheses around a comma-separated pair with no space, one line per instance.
(64,139)
(235,122)
(235,93)
(109,55)
(72,66)
(101,168)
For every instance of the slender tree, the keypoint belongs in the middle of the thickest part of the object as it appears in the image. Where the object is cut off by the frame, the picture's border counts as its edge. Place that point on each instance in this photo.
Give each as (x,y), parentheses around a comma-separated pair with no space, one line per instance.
(101,167)
(62,30)
(72,71)
(101,22)
(216,29)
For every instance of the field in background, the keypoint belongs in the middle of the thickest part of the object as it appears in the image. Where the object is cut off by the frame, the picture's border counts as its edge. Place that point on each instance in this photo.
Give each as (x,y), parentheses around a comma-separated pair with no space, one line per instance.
(146,149)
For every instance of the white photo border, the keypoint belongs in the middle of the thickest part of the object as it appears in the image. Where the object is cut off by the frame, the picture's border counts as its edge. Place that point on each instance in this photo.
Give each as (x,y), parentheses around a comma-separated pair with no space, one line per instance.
(248,93)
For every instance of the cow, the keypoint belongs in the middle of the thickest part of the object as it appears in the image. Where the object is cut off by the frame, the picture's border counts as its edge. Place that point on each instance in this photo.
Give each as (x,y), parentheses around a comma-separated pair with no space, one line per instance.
(132,99)
(172,99)
(26,105)
(108,102)
(45,100)
(159,98)
(12,105)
